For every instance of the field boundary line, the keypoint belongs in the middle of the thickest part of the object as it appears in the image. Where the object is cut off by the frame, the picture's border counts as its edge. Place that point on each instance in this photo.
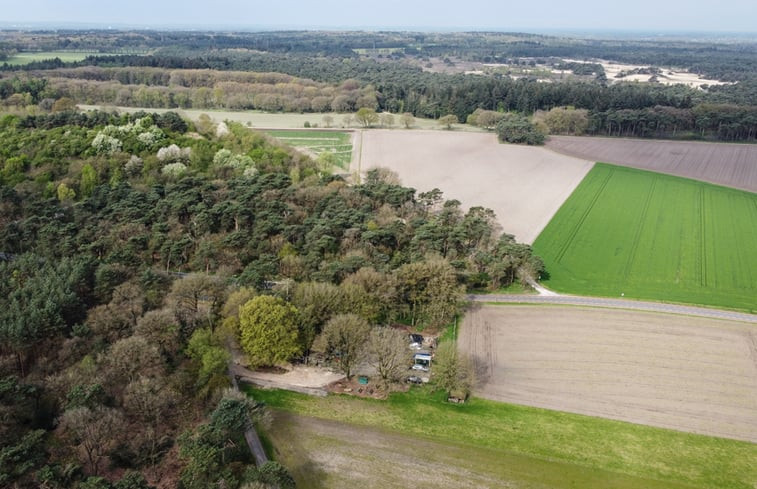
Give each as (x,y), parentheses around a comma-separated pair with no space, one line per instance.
(639,228)
(612,303)
(703,240)
(580,222)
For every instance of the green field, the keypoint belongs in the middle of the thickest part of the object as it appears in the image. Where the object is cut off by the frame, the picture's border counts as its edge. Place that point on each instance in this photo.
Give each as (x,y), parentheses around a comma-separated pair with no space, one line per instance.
(65,56)
(318,142)
(528,447)
(633,233)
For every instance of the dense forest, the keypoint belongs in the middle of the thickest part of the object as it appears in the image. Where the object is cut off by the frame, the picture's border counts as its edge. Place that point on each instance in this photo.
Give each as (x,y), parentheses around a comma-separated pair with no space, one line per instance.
(135,247)
(343,72)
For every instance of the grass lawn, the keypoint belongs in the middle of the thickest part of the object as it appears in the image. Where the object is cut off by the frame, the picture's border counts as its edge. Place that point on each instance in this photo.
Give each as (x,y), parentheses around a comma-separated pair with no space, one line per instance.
(564,449)
(633,233)
(65,56)
(337,143)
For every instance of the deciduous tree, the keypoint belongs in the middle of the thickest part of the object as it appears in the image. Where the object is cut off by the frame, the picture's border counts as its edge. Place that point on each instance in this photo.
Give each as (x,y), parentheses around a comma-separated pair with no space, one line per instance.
(452,370)
(268,330)
(343,339)
(388,353)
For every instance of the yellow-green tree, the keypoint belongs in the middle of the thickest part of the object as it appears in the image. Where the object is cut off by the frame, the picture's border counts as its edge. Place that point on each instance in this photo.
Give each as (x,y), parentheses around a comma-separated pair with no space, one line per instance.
(268,330)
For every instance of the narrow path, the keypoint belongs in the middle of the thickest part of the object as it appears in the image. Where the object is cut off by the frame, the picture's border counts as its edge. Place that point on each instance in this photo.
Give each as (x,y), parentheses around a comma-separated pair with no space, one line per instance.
(253,440)
(616,304)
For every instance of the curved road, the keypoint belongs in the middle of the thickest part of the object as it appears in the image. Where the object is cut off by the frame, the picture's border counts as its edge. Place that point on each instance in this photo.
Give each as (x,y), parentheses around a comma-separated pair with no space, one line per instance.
(616,304)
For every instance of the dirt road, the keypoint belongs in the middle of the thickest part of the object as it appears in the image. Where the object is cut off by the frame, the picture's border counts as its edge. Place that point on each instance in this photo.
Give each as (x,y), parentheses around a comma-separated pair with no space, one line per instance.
(686,373)
(574,300)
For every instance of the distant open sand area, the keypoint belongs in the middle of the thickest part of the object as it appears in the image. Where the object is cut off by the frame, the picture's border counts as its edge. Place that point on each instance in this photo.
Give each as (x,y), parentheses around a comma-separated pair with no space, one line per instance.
(685,373)
(731,165)
(524,185)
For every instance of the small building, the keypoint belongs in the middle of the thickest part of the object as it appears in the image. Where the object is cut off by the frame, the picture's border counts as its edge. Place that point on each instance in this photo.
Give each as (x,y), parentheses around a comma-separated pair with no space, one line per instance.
(422,361)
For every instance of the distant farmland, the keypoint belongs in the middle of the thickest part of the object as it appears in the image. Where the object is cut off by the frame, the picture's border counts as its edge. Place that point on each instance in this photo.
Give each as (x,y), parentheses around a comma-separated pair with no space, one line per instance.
(627,232)
(65,56)
(316,143)
(732,165)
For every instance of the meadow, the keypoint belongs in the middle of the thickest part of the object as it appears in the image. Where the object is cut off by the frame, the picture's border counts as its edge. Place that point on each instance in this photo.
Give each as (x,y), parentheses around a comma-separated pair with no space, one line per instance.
(316,143)
(491,444)
(632,233)
(65,56)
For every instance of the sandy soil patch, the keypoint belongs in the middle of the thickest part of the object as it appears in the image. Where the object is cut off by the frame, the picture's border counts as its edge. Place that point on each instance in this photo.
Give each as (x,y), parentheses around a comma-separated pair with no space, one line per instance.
(689,374)
(524,185)
(669,76)
(732,165)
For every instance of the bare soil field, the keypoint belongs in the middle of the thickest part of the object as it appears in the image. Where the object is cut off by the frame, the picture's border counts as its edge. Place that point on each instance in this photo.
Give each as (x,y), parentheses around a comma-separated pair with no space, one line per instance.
(732,165)
(685,373)
(524,185)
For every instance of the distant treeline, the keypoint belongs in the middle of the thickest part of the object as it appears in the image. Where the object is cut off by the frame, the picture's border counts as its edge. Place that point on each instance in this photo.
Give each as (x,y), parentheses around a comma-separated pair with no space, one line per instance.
(724,61)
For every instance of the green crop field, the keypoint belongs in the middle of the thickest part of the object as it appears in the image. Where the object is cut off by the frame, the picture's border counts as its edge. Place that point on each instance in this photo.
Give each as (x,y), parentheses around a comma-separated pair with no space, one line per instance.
(66,56)
(337,143)
(515,446)
(633,233)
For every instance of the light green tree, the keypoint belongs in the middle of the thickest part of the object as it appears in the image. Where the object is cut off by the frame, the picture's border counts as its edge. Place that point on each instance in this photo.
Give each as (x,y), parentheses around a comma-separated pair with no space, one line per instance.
(366,116)
(88,180)
(65,192)
(448,120)
(268,330)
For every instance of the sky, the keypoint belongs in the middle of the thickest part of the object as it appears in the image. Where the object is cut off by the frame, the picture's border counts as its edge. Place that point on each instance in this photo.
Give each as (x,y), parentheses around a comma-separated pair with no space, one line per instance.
(508,15)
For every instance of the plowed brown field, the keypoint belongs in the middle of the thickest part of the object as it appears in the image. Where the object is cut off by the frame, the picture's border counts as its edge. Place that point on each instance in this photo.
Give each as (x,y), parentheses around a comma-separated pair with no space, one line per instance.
(524,185)
(732,165)
(690,374)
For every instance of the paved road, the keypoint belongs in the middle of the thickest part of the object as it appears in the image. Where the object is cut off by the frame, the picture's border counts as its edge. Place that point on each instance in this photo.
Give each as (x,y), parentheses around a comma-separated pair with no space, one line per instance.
(617,304)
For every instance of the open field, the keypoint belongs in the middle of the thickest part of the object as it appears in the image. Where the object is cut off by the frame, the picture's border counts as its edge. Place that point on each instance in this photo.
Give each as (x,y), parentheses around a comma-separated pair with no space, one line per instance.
(732,165)
(65,56)
(438,444)
(267,120)
(685,373)
(524,185)
(632,233)
(316,143)
(331,454)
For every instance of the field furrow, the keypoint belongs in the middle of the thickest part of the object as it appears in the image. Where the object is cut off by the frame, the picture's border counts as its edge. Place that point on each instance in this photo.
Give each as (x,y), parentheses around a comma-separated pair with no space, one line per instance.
(685,373)
(654,236)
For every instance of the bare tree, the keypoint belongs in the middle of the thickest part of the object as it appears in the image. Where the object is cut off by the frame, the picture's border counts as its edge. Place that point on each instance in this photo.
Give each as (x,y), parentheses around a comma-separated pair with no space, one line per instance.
(388,353)
(92,431)
(343,339)
(407,120)
(387,119)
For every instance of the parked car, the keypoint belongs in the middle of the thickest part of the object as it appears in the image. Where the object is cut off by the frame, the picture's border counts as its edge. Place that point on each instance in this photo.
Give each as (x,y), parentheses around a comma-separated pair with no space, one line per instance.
(414,379)
(416,341)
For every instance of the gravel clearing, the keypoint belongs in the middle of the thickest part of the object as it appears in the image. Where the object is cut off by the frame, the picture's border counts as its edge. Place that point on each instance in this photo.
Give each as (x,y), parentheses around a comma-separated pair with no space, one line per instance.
(685,373)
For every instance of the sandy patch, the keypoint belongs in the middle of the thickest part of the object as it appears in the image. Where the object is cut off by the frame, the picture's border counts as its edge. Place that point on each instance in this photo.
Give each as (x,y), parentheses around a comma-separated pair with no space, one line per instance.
(689,374)
(524,185)
(668,76)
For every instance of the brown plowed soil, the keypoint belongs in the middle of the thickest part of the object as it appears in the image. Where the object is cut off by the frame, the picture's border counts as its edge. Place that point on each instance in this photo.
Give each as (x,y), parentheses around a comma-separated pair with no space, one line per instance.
(731,165)
(691,374)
